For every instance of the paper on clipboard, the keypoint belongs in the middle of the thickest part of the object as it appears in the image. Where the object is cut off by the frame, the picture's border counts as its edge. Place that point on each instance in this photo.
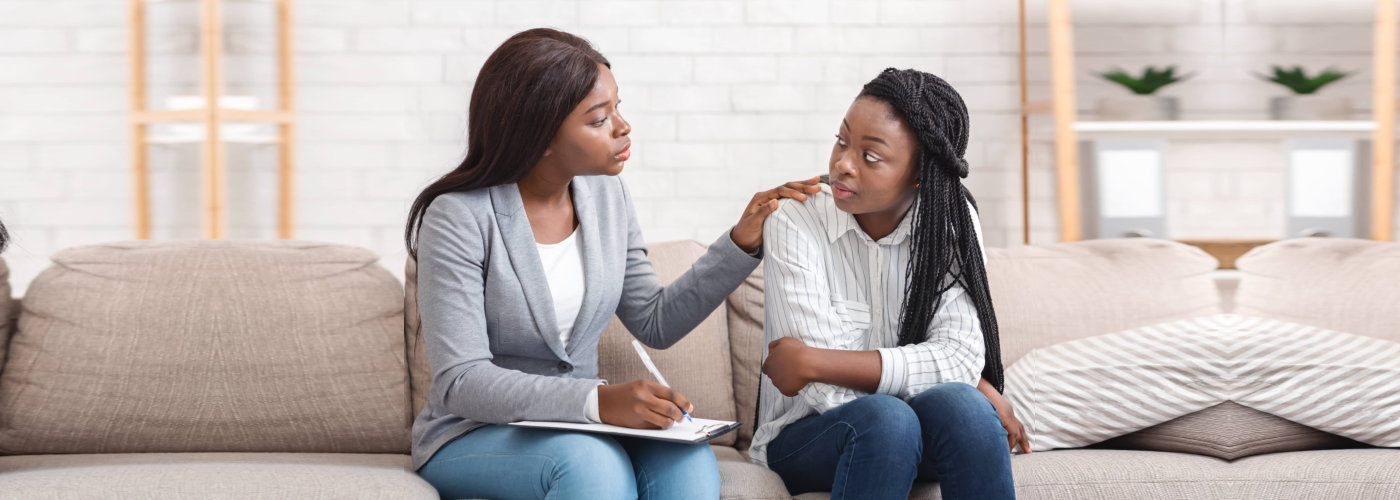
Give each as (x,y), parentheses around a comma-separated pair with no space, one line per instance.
(699,431)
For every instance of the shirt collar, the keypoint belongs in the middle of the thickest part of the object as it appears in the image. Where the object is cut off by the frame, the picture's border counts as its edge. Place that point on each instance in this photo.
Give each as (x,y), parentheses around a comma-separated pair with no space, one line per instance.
(843,222)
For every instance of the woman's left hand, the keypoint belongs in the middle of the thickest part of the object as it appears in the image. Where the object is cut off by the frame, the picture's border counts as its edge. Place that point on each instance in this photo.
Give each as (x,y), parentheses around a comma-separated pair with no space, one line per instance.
(748,234)
(1015,432)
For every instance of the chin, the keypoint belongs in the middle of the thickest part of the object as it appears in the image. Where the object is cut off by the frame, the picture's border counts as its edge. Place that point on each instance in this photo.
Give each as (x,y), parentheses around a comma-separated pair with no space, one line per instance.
(615,169)
(844,205)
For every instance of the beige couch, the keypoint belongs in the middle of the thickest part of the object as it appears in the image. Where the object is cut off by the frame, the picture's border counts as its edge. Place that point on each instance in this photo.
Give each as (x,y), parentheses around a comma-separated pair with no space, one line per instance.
(287,370)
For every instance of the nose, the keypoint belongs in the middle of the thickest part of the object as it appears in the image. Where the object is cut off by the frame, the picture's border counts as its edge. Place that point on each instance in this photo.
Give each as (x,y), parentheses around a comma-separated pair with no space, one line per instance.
(844,164)
(622,127)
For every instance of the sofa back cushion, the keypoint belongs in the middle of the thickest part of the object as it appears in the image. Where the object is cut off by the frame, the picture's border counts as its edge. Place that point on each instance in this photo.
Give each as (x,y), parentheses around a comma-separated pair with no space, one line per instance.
(1048,294)
(8,311)
(698,366)
(206,346)
(1342,284)
(746,341)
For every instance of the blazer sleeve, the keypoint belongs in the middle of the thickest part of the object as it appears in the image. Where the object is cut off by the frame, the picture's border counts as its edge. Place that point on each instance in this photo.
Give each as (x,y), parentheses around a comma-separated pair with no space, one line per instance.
(659,316)
(452,255)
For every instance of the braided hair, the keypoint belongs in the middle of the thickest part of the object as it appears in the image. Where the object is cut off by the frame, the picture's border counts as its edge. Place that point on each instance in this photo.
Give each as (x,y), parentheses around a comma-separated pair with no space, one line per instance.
(943,243)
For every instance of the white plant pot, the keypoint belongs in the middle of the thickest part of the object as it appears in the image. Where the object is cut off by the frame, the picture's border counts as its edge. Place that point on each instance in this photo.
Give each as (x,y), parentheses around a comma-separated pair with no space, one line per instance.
(1137,108)
(1310,107)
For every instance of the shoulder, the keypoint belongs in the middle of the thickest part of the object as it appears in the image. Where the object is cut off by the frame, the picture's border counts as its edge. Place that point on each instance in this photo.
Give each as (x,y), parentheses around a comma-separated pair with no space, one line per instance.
(460,208)
(809,216)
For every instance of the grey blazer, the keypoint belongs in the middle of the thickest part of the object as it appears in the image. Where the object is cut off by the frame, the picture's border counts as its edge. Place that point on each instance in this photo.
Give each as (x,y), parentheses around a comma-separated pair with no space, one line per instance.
(488,319)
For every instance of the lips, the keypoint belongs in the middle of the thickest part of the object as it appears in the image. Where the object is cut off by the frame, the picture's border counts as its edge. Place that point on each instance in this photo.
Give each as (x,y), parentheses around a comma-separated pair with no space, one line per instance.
(624,154)
(841,191)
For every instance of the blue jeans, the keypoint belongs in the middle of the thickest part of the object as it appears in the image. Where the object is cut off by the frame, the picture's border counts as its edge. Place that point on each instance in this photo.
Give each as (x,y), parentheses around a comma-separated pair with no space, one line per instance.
(504,463)
(877,445)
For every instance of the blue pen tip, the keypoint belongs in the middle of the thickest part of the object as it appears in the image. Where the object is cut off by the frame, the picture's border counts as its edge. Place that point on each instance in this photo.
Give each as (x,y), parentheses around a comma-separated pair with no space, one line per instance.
(687,416)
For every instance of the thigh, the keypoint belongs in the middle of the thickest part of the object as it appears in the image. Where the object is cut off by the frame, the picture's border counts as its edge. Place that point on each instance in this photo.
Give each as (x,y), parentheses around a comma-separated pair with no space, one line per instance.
(959,425)
(672,470)
(507,463)
(819,451)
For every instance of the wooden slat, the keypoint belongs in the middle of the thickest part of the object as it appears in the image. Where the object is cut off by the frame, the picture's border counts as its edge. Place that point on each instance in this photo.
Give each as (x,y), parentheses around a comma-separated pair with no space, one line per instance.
(1383,143)
(140,182)
(1063,103)
(211,41)
(1038,108)
(255,115)
(167,116)
(286,209)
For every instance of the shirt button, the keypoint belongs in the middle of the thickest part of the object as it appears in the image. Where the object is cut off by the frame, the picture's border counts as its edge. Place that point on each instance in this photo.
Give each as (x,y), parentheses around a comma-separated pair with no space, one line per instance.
(565,367)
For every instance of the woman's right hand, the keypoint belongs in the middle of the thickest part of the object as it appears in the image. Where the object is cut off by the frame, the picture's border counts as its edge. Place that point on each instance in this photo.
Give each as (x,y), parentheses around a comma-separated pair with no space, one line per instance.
(641,404)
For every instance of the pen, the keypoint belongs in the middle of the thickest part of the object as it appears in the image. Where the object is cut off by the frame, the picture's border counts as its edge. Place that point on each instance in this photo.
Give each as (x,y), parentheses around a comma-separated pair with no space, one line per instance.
(646,360)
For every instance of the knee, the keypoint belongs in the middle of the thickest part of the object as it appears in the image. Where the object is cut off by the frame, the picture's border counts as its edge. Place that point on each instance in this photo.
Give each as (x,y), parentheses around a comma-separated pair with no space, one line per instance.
(675,470)
(883,421)
(590,466)
(959,407)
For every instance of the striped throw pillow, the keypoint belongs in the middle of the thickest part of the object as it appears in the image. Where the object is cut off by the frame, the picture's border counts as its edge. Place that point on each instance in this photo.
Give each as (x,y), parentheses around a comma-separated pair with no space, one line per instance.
(1085,391)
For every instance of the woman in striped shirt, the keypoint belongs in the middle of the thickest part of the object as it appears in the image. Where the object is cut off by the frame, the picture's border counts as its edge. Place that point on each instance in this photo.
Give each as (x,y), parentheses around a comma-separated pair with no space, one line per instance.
(879,317)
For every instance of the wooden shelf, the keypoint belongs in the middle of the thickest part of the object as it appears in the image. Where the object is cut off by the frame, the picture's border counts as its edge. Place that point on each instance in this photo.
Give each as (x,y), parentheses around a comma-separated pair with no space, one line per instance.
(212,112)
(1059,27)
(1225,129)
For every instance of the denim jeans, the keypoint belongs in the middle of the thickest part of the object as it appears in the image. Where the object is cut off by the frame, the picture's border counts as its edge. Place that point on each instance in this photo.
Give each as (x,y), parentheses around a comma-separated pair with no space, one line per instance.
(503,462)
(877,445)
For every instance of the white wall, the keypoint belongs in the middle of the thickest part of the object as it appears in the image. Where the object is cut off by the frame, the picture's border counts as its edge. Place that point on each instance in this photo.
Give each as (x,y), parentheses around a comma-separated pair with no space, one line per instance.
(726,97)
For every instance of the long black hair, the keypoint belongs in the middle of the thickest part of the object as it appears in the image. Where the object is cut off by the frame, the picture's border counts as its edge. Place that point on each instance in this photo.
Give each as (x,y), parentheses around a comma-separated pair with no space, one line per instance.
(4,237)
(522,95)
(943,249)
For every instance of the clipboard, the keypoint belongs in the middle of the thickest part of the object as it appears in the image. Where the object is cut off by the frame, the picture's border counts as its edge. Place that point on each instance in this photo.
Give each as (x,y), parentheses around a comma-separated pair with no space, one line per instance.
(700,431)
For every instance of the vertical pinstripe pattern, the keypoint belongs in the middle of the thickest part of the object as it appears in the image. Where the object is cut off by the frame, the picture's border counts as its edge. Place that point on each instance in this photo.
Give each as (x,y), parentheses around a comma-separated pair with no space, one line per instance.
(831,286)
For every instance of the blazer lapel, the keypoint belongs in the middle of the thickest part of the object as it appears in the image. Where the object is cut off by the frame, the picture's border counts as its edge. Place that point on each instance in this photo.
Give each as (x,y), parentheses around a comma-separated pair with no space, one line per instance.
(525,260)
(588,227)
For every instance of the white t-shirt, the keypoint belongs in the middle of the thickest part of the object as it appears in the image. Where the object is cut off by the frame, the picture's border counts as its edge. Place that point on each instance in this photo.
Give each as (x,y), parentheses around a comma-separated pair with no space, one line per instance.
(563,270)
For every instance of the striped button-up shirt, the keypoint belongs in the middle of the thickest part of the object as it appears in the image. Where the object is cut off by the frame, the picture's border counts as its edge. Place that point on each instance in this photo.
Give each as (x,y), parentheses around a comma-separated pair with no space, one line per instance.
(828,284)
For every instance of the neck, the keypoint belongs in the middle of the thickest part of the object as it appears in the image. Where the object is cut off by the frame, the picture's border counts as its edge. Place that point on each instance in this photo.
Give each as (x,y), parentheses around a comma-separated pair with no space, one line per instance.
(542,187)
(880,224)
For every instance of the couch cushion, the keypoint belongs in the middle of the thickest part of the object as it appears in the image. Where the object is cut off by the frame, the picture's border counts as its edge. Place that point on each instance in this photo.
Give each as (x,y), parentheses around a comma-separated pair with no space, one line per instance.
(208,346)
(212,475)
(742,479)
(1230,431)
(697,366)
(1047,294)
(746,341)
(8,311)
(419,375)
(1335,283)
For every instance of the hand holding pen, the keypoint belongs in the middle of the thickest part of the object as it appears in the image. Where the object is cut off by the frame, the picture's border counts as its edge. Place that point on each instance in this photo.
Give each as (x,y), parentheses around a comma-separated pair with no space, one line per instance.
(642,404)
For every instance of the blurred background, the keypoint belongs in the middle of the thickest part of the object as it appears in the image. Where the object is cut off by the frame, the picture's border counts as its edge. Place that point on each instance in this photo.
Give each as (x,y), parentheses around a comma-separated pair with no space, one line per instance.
(726,97)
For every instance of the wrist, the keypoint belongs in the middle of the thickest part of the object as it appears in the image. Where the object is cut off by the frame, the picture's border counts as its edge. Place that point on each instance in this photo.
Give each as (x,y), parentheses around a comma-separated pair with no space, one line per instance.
(748,249)
(810,365)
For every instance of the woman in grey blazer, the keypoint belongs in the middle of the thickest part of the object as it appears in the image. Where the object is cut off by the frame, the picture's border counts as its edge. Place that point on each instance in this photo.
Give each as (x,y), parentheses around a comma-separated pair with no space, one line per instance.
(525,252)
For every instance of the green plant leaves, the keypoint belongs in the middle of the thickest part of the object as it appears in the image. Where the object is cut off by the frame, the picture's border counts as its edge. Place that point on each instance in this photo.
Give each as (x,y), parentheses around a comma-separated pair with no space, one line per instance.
(1151,81)
(1299,82)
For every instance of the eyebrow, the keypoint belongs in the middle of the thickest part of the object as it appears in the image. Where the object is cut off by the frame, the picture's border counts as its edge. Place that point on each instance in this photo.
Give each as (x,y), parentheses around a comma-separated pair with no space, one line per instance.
(599,105)
(847,125)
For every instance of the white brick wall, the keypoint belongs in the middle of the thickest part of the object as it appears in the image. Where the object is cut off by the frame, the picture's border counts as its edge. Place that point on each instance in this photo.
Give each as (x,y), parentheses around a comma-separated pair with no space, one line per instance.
(726,97)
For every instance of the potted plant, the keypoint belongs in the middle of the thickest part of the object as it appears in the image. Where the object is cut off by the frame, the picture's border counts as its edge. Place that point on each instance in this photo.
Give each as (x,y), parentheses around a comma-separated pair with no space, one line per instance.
(1304,104)
(1143,105)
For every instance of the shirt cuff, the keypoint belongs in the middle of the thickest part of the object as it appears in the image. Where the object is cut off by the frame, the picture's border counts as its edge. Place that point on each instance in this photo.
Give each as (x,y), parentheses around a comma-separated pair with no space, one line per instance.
(892,371)
(590,406)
